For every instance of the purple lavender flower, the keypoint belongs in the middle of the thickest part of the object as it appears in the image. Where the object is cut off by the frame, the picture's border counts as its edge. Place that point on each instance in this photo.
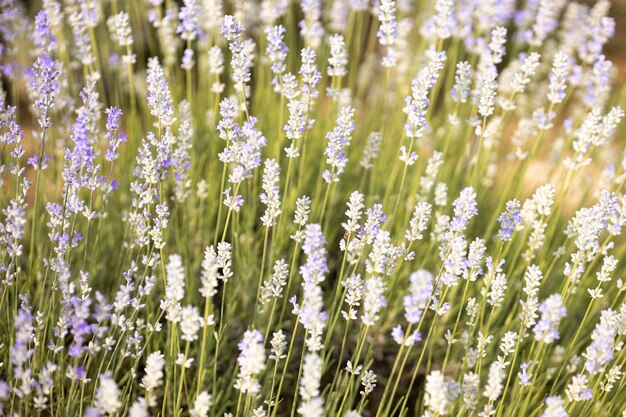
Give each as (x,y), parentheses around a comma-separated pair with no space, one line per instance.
(43,33)
(420,291)
(44,84)
(115,139)
(509,220)
(465,208)
(21,351)
(189,15)
(375,219)
(231,28)
(552,311)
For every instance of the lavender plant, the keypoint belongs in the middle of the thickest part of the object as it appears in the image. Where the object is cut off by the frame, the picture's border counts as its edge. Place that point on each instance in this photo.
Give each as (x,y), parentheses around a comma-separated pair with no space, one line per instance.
(344,208)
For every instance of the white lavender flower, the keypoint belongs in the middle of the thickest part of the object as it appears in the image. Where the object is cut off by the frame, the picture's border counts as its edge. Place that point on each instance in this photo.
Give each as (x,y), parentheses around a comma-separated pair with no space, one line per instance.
(487,85)
(436,397)
(354,292)
(546,20)
(338,56)
(154,372)
(418,222)
(608,266)
(462,81)
(388,31)
(107,398)
(295,126)
(532,281)
(139,408)
(578,389)
(417,103)
(371,151)
(251,362)
(190,323)
(273,287)
(271,195)
(175,289)
(561,68)
(201,405)
(311,28)
(354,212)
(209,274)
(338,140)
(373,300)
(493,389)
(279,344)
(368,381)
(496,46)
(224,260)
(527,70)
(159,96)
(444,19)
(312,316)
(310,77)
(121,33)
(312,403)
(276,50)
(509,220)
(303,209)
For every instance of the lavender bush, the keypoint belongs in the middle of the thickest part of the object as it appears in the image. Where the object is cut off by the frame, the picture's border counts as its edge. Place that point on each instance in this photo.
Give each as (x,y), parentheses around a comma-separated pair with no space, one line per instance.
(344,208)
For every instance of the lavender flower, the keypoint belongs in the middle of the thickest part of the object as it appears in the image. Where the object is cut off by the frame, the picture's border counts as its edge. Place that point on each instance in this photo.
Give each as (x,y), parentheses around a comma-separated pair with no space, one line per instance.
(311,315)
(462,82)
(338,139)
(121,33)
(44,38)
(107,398)
(558,77)
(251,362)
(189,15)
(509,220)
(338,57)
(388,31)
(276,50)
(312,403)
(465,208)
(371,151)
(159,96)
(175,289)
(553,310)
(420,291)
(600,351)
(311,28)
(44,85)
(113,135)
(417,103)
(555,407)
(202,405)
(487,84)
(271,195)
